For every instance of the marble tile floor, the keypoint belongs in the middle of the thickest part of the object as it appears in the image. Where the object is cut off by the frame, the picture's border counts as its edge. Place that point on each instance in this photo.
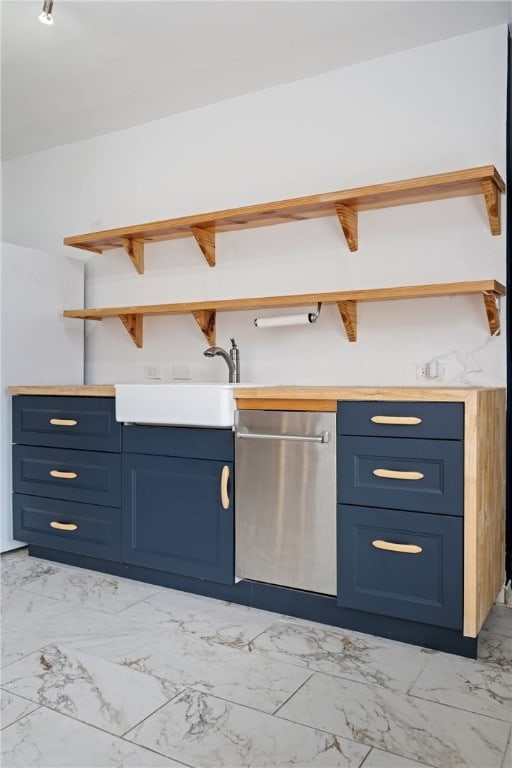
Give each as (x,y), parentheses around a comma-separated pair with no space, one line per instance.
(99,671)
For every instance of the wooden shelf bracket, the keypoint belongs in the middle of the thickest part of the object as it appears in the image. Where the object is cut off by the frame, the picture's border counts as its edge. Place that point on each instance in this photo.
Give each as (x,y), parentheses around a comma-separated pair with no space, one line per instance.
(492,310)
(205,318)
(205,239)
(133,324)
(492,203)
(348,220)
(135,250)
(348,312)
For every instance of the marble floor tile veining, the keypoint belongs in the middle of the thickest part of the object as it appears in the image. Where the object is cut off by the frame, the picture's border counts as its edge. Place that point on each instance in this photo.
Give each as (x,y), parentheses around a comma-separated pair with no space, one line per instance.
(482,688)
(14,707)
(495,649)
(69,623)
(338,652)
(208,732)
(213,620)
(379,759)
(16,644)
(99,671)
(90,590)
(184,659)
(87,688)
(18,604)
(421,730)
(499,621)
(46,739)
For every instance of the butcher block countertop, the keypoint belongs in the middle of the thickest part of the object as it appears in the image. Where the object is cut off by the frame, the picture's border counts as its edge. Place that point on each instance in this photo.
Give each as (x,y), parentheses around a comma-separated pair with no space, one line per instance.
(294,397)
(302,398)
(84,390)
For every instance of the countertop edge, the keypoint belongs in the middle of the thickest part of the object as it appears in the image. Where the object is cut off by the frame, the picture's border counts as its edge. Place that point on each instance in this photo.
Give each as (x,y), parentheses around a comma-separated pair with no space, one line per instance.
(286,393)
(81,390)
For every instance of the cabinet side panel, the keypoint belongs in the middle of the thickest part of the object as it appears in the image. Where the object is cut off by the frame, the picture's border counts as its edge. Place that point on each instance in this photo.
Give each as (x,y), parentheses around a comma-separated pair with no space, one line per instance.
(491,500)
(484,532)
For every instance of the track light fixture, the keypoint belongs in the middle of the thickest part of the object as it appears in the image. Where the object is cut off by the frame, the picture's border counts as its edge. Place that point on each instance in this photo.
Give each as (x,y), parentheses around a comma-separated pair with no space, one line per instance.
(45,17)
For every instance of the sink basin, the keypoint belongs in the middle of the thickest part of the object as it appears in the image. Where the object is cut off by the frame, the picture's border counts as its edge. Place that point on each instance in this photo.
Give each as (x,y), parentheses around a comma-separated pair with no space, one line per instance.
(196,405)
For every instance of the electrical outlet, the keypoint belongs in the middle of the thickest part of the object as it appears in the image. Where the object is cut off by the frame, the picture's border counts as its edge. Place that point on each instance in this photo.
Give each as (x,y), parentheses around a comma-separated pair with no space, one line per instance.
(181,372)
(152,372)
(430,371)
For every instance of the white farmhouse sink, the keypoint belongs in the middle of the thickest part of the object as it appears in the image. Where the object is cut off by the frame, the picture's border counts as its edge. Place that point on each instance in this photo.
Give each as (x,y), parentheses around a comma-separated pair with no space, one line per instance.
(197,405)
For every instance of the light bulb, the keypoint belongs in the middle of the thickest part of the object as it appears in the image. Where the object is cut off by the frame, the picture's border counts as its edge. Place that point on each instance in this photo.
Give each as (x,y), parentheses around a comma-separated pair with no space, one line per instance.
(45,18)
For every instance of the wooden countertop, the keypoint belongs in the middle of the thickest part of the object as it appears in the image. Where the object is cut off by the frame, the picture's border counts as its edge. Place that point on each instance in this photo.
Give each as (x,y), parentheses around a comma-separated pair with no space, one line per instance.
(298,397)
(325,398)
(83,390)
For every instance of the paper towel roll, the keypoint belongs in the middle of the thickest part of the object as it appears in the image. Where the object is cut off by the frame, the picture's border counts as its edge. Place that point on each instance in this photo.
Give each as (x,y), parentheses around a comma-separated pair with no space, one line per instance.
(273,322)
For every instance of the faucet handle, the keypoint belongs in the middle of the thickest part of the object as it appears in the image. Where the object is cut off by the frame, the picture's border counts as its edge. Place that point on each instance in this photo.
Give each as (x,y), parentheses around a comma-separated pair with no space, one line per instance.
(233,343)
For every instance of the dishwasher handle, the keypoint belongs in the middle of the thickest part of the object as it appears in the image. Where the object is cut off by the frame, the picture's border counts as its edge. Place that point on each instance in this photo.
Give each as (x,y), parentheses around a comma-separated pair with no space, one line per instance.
(323,437)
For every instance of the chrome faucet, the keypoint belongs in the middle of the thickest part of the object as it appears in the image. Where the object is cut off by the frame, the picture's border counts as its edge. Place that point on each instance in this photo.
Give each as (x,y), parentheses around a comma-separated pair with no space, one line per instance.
(232,359)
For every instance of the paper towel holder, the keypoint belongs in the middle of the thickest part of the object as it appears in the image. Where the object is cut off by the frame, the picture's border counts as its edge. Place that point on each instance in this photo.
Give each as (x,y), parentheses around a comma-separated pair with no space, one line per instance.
(313,316)
(310,317)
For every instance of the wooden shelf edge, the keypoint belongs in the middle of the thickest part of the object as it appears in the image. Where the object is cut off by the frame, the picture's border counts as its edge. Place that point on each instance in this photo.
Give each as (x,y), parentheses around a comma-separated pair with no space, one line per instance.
(484,180)
(204,312)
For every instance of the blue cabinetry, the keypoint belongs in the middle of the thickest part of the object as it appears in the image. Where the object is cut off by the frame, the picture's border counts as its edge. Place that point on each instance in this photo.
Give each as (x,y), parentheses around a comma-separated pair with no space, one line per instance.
(401,564)
(177,508)
(88,476)
(86,529)
(66,497)
(400,510)
(62,421)
(156,504)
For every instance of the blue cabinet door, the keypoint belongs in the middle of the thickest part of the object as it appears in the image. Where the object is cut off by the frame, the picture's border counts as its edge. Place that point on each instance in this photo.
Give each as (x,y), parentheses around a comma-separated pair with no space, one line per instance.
(176,517)
(403,564)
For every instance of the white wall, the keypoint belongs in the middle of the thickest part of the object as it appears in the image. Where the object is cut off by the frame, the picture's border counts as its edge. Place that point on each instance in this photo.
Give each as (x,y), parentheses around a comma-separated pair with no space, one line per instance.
(437,108)
(36,345)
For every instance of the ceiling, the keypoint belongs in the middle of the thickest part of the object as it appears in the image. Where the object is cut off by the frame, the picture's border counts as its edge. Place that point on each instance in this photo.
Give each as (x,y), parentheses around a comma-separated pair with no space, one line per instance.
(104,66)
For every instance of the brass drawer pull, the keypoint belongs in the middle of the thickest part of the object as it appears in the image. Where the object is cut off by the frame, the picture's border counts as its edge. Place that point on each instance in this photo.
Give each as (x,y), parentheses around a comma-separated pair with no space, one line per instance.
(411,549)
(224,478)
(396,420)
(393,474)
(63,422)
(63,526)
(63,475)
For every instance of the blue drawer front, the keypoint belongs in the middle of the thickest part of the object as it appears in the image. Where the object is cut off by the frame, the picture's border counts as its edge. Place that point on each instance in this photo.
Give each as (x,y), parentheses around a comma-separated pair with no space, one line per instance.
(95,427)
(435,420)
(433,469)
(424,586)
(185,442)
(97,533)
(97,481)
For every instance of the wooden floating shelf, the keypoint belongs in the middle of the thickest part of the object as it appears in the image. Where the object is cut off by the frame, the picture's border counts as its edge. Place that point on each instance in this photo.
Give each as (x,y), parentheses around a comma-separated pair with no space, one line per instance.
(344,204)
(204,312)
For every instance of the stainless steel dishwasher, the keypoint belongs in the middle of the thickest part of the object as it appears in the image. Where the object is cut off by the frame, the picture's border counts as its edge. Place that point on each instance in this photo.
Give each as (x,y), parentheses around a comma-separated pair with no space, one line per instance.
(285,498)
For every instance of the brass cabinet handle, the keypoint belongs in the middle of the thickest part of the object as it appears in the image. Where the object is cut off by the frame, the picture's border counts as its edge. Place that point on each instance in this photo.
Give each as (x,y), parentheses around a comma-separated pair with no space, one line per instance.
(63,526)
(64,475)
(396,420)
(64,422)
(411,549)
(397,475)
(224,478)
